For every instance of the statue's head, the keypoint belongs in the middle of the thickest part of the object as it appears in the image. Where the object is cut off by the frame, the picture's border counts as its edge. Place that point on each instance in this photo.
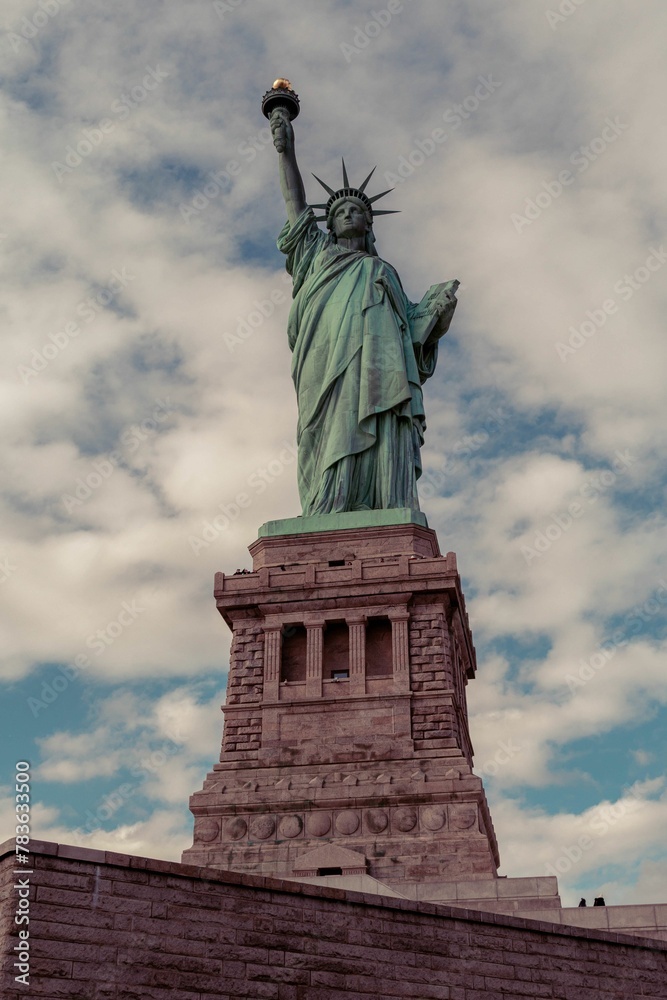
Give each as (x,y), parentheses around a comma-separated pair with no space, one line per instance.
(349,216)
(350,200)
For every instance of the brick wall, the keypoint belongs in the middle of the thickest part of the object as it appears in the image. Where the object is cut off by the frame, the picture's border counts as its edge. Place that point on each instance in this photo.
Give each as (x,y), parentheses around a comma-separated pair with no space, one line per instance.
(437,676)
(125,928)
(430,657)
(243,732)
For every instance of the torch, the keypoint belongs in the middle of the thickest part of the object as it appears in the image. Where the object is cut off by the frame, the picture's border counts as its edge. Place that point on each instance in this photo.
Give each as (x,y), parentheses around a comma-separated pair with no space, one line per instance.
(282,96)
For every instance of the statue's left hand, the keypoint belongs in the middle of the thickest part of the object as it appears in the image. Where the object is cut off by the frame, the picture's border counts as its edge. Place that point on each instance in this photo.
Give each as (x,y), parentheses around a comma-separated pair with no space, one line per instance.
(444,302)
(434,313)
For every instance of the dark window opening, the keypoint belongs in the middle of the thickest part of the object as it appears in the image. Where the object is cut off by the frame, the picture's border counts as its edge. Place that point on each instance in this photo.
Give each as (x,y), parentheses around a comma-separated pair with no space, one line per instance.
(336,648)
(340,675)
(329,871)
(336,562)
(293,660)
(378,648)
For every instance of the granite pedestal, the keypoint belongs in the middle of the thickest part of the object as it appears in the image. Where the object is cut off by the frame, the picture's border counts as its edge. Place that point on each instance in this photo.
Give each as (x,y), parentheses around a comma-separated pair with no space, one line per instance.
(346,721)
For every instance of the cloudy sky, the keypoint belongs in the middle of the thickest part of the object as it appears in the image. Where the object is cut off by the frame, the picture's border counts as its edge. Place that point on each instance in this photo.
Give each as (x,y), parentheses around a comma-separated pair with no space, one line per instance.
(146,385)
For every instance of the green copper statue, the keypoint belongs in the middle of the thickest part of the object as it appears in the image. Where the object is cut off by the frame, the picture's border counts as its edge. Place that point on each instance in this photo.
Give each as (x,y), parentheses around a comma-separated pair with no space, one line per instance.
(361,350)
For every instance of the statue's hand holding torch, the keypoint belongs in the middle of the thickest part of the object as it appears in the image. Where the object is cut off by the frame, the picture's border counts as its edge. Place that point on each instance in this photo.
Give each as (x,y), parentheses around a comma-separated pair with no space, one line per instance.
(281,129)
(281,106)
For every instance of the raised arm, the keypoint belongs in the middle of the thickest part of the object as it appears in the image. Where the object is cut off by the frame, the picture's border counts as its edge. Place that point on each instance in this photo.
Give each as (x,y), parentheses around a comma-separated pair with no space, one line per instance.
(291,183)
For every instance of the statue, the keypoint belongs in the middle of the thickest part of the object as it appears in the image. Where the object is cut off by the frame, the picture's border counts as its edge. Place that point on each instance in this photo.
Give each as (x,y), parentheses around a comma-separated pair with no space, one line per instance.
(361,350)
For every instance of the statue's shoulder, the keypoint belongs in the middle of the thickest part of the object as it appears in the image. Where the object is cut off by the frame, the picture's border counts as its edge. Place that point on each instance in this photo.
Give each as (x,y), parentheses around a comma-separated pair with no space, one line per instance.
(389,269)
(303,233)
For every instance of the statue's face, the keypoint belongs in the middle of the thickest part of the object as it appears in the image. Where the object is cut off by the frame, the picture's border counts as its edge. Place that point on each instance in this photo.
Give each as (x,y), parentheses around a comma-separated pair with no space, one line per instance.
(350,220)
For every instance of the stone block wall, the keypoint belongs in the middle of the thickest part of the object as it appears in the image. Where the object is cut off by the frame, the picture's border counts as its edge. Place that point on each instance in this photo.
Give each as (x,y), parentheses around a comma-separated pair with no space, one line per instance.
(430,654)
(247,664)
(112,927)
(435,725)
(242,734)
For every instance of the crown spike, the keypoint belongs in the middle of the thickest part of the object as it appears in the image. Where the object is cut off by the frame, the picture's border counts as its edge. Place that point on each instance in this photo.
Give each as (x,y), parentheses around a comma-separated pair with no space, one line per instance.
(387,211)
(348,190)
(376,197)
(325,186)
(362,187)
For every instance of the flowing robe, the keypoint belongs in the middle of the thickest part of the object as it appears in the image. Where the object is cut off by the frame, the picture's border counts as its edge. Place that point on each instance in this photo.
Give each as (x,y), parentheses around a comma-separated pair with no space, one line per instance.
(357,375)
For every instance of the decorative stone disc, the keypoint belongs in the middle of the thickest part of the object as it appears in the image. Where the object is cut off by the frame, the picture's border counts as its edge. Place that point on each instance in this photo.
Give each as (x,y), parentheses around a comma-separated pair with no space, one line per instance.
(433,817)
(290,826)
(206,830)
(347,822)
(376,820)
(462,817)
(405,819)
(236,828)
(262,827)
(318,824)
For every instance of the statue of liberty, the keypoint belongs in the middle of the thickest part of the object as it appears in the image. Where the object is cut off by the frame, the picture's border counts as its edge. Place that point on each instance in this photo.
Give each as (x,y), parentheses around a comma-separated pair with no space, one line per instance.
(361,350)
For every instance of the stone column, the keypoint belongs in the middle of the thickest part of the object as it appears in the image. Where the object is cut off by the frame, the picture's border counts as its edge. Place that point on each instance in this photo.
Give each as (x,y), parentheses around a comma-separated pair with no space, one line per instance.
(314,642)
(272,649)
(400,648)
(357,630)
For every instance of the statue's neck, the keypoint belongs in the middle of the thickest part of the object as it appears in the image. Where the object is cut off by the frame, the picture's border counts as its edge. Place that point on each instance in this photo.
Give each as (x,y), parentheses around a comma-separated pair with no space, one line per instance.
(352,242)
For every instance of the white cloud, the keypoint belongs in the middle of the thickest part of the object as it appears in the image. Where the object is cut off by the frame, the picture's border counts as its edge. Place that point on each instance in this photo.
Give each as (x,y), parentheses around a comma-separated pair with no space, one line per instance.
(642,757)
(576,846)
(156,746)
(163,835)
(72,758)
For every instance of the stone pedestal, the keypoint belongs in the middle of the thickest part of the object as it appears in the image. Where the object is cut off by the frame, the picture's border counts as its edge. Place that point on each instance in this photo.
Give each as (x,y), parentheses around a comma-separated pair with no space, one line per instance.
(346,721)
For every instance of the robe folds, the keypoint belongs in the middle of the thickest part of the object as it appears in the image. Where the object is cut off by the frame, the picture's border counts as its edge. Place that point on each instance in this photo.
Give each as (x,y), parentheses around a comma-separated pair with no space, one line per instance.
(357,375)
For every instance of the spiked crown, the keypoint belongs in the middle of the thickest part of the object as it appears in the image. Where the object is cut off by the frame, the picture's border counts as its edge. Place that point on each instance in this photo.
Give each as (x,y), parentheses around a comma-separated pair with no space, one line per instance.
(348,191)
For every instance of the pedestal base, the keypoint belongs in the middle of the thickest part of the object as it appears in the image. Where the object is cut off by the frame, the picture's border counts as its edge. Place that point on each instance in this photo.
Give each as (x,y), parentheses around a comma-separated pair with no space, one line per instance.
(353,519)
(346,721)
